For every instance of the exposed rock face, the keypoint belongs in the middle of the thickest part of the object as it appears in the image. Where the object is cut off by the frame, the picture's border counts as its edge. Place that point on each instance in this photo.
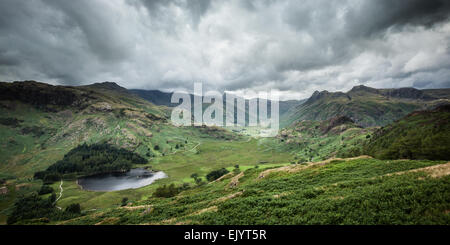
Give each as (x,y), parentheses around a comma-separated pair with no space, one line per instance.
(403,93)
(334,122)
(101,107)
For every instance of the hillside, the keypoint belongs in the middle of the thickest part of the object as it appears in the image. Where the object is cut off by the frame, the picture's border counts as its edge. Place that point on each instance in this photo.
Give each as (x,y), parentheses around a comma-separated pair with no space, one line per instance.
(303,176)
(419,135)
(320,140)
(366,106)
(155,96)
(342,191)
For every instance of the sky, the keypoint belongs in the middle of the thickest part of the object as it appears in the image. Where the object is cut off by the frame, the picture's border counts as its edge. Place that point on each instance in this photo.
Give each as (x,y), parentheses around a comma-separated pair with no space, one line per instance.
(293,47)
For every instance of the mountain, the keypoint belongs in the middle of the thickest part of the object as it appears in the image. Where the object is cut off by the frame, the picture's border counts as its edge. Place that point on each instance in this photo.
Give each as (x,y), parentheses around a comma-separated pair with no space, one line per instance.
(419,135)
(366,106)
(155,96)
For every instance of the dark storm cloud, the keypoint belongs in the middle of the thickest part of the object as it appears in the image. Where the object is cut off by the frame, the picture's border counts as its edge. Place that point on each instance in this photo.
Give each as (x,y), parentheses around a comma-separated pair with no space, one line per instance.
(373,17)
(293,46)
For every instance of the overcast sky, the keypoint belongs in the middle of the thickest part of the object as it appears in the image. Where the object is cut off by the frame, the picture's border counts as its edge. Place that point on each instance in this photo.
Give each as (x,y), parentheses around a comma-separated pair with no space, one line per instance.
(295,47)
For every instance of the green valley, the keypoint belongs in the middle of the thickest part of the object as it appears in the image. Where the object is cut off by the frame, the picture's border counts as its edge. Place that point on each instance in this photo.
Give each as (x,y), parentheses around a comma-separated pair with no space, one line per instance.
(364,157)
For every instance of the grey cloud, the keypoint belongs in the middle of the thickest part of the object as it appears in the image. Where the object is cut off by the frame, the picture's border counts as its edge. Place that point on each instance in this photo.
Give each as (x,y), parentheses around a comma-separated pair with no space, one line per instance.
(376,16)
(228,45)
(196,8)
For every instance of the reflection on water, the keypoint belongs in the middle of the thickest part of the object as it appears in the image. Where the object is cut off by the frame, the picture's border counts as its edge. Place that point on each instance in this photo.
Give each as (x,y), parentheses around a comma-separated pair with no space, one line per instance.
(135,178)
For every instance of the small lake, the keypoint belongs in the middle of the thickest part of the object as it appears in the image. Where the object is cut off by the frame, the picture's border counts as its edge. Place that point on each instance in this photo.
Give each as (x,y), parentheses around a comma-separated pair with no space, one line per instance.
(135,178)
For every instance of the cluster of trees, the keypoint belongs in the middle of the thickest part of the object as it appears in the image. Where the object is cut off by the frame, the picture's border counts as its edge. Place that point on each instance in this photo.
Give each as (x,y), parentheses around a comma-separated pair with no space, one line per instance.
(45,189)
(213,175)
(90,159)
(167,191)
(33,206)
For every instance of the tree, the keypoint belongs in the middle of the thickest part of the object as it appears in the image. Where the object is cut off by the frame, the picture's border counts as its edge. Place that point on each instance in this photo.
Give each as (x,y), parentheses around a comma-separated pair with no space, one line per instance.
(199,181)
(52,198)
(45,189)
(74,208)
(124,201)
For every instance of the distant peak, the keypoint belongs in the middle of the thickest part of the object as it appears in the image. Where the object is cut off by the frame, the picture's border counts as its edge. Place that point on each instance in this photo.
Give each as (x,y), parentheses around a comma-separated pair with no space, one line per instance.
(113,84)
(107,85)
(363,88)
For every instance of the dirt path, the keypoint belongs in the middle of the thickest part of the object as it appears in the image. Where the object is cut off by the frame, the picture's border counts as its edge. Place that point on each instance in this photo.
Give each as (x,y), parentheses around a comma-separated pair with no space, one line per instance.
(296,167)
(60,194)
(176,151)
(199,143)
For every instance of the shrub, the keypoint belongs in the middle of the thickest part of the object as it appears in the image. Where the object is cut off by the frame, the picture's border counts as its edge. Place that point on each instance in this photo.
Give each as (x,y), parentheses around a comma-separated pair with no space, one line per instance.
(73,208)
(45,189)
(124,201)
(166,191)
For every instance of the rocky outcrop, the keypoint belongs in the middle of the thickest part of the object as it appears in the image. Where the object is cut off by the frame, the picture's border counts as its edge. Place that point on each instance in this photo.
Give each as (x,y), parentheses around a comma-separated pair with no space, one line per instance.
(334,122)
(38,94)
(3,190)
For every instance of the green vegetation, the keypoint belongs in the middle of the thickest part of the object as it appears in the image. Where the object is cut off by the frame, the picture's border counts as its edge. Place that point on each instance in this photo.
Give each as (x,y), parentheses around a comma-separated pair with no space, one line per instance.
(45,189)
(124,201)
(32,209)
(166,191)
(213,175)
(91,159)
(74,208)
(13,122)
(104,128)
(316,141)
(360,191)
(420,135)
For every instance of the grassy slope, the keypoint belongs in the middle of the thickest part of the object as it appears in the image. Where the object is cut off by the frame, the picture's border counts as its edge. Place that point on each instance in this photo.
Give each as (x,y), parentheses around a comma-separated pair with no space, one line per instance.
(359,191)
(420,135)
(311,141)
